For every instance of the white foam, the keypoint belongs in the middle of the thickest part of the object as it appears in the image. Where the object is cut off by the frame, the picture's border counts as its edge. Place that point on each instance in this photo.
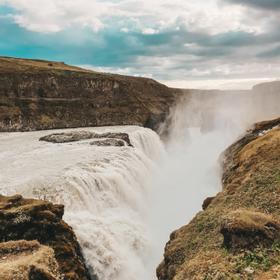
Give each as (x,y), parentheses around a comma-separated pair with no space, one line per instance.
(104,190)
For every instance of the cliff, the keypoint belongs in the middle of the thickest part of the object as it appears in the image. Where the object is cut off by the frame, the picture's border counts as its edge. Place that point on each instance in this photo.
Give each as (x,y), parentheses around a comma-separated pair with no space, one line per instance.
(27,260)
(36,94)
(36,244)
(237,236)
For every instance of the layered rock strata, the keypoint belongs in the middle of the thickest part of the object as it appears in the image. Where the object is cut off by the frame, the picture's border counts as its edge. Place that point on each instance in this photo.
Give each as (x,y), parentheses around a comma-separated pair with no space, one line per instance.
(36,95)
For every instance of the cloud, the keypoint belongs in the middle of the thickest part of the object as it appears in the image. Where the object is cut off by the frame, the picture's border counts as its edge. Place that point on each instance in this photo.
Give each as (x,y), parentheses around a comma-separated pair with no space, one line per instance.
(271,53)
(261,4)
(156,15)
(187,41)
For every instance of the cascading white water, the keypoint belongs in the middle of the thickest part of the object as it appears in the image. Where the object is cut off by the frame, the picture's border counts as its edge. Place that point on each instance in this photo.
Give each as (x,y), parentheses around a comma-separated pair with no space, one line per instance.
(104,190)
(124,202)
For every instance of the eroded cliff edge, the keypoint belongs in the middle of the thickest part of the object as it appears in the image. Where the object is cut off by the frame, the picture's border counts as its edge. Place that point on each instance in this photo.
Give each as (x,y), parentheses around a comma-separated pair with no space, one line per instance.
(37,94)
(36,244)
(237,236)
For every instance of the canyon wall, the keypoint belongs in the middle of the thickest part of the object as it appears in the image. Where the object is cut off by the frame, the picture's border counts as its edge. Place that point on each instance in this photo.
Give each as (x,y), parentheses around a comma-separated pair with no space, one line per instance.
(37,95)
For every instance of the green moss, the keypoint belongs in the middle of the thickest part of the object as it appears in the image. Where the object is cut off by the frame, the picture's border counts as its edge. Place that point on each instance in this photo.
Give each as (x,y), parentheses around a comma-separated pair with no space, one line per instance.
(260,259)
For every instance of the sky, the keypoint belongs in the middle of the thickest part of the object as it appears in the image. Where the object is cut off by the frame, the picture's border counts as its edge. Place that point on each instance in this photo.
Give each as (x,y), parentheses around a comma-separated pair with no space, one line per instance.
(183,43)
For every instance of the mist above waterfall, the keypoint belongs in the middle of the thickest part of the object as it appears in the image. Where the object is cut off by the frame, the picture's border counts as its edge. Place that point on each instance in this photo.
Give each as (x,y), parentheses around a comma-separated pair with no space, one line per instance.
(200,127)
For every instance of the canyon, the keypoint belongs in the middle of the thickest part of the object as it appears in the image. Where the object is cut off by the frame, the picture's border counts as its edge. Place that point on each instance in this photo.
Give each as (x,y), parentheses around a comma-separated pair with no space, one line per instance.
(125,161)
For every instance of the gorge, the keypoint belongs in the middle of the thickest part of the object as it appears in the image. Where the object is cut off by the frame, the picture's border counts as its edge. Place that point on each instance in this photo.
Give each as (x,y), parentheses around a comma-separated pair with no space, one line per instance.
(123,201)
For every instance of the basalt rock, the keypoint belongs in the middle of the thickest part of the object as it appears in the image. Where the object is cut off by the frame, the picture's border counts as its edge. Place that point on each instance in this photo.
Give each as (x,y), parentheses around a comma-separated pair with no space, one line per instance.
(36,94)
(115,135)
(108,143)
(30,219)
(67,137)
(108,138)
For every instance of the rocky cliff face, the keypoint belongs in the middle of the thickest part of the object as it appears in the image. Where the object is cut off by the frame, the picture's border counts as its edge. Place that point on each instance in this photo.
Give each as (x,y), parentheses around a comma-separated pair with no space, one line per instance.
(36,244)
(27,260)
(43,95)
(237,236)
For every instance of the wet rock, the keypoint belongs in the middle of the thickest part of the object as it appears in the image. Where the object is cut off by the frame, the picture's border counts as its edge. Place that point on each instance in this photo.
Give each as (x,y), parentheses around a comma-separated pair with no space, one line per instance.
(67,137)
(109,142)
(108,138)
(115,135)
(30,219)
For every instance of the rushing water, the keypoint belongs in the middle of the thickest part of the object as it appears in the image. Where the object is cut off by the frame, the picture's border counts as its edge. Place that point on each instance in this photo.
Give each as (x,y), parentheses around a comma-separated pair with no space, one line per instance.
(123,202)
(104,190)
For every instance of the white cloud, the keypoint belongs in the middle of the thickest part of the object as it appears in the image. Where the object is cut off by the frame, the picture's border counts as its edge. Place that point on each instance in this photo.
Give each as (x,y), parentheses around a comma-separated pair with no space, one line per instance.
(150,31)
(56,15)
(178,55)
(196,79)
(128,71)
(149,16)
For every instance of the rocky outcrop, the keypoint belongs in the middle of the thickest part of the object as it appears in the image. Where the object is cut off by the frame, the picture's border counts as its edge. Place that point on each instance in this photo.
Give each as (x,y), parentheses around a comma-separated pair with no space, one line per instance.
(106,139)
(27,260)
(66,137)
(244,229)
(238,234)
(38,94)
(29,220)
(109,143)
(207,202)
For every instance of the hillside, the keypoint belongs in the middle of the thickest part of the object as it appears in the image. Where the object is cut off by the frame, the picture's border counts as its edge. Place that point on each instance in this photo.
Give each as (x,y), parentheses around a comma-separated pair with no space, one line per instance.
(37,94)
(237,236)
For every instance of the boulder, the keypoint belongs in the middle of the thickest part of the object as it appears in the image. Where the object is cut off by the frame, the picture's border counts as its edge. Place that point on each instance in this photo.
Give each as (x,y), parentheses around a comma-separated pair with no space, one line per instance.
(109,138)
(67,137)
(207,202)
(30,219)
(109,143)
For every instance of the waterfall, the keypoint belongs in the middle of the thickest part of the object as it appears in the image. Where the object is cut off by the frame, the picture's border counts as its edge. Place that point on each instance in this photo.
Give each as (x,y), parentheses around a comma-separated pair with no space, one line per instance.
(201,127)
(123,202)
(105,191)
